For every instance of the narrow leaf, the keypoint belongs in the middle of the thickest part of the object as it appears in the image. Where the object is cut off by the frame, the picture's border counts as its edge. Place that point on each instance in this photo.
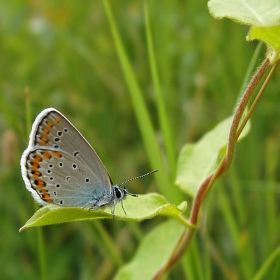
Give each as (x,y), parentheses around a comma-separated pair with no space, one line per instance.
(142,114)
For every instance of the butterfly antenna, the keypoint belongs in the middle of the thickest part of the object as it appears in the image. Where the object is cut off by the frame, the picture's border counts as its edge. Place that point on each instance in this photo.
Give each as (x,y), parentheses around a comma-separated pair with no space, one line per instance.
(138,177)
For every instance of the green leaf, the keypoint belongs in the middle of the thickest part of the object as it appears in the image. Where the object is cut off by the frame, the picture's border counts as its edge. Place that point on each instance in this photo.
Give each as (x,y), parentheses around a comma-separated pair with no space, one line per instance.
(270,35)
(153,252)
(138,209)
(250,12)
(197,161)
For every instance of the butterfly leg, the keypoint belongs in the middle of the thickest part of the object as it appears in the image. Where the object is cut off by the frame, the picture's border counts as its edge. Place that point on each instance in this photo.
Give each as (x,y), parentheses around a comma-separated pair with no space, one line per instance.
(123,207)
(92,205)
(113,210)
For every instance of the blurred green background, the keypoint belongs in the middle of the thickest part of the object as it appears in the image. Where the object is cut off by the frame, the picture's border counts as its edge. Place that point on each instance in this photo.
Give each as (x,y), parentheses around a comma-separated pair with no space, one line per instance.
(64,53)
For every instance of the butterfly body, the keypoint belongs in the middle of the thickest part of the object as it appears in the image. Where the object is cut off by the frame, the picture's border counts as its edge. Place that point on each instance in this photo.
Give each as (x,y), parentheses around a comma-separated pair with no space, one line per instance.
(60,167)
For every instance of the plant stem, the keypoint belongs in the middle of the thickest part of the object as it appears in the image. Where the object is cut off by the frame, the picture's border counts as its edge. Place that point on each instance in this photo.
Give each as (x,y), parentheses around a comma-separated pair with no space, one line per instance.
(39,232)
(241,109)
(180,248)
(28,112)
(115,255)
(42,253)
(142,115)
(254,104)
(266,265)
(226,161)
(165,127)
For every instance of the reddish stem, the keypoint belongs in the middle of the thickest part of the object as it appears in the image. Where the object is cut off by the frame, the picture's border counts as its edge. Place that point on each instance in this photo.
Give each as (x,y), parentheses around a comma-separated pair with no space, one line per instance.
(224,165)
(227,160)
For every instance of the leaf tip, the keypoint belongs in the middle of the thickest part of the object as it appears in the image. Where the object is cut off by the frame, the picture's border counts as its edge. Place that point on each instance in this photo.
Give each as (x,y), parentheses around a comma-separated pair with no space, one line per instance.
(22,228)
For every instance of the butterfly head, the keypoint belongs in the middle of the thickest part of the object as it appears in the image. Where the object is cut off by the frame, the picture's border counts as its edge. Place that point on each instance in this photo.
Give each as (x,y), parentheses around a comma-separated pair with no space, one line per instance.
(120,194)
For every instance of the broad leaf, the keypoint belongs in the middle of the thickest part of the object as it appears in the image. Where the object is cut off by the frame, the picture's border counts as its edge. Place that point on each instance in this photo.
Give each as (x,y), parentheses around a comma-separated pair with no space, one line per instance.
(153,252)
(197,161)
(138,209)
(251,12)
(270,35)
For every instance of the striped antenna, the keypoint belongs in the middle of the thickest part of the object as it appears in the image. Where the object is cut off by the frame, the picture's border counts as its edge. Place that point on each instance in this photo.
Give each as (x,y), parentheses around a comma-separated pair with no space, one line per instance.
(138,177)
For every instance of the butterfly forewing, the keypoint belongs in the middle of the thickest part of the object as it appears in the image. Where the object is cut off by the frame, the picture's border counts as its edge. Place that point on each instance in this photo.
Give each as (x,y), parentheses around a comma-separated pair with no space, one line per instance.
(53,130)
(59,166)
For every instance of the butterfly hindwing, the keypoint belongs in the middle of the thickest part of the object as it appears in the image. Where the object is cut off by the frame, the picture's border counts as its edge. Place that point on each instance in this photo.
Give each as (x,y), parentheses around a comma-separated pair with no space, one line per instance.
(58,178)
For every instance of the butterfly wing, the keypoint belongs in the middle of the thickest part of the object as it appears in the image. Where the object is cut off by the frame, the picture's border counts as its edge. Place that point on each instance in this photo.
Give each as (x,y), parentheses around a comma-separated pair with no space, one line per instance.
(59,166)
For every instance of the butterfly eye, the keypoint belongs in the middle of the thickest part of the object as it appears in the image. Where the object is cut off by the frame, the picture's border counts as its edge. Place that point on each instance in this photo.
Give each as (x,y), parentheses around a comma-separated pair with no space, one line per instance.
(118,193)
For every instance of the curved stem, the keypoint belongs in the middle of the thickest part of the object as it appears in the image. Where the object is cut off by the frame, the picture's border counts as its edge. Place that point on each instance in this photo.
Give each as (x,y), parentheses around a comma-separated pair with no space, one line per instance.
(241,109)
(233,136)
(235,131)
(185,239)
(254,104)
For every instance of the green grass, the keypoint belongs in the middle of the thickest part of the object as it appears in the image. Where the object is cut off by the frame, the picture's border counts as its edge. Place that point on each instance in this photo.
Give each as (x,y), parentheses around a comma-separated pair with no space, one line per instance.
(64,52)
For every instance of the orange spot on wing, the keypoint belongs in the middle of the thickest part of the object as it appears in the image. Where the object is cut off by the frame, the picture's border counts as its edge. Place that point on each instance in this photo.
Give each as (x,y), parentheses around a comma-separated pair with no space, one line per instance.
(57,154)
(44,140)
(35,165)
(50,124)
(46,155)
(39,183)
(46,197)
(37,158)
(36,174)
(46,130)
(57,119)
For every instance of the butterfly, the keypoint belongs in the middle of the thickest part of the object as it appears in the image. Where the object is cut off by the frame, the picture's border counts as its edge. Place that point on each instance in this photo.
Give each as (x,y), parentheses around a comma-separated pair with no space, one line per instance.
(60,167)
